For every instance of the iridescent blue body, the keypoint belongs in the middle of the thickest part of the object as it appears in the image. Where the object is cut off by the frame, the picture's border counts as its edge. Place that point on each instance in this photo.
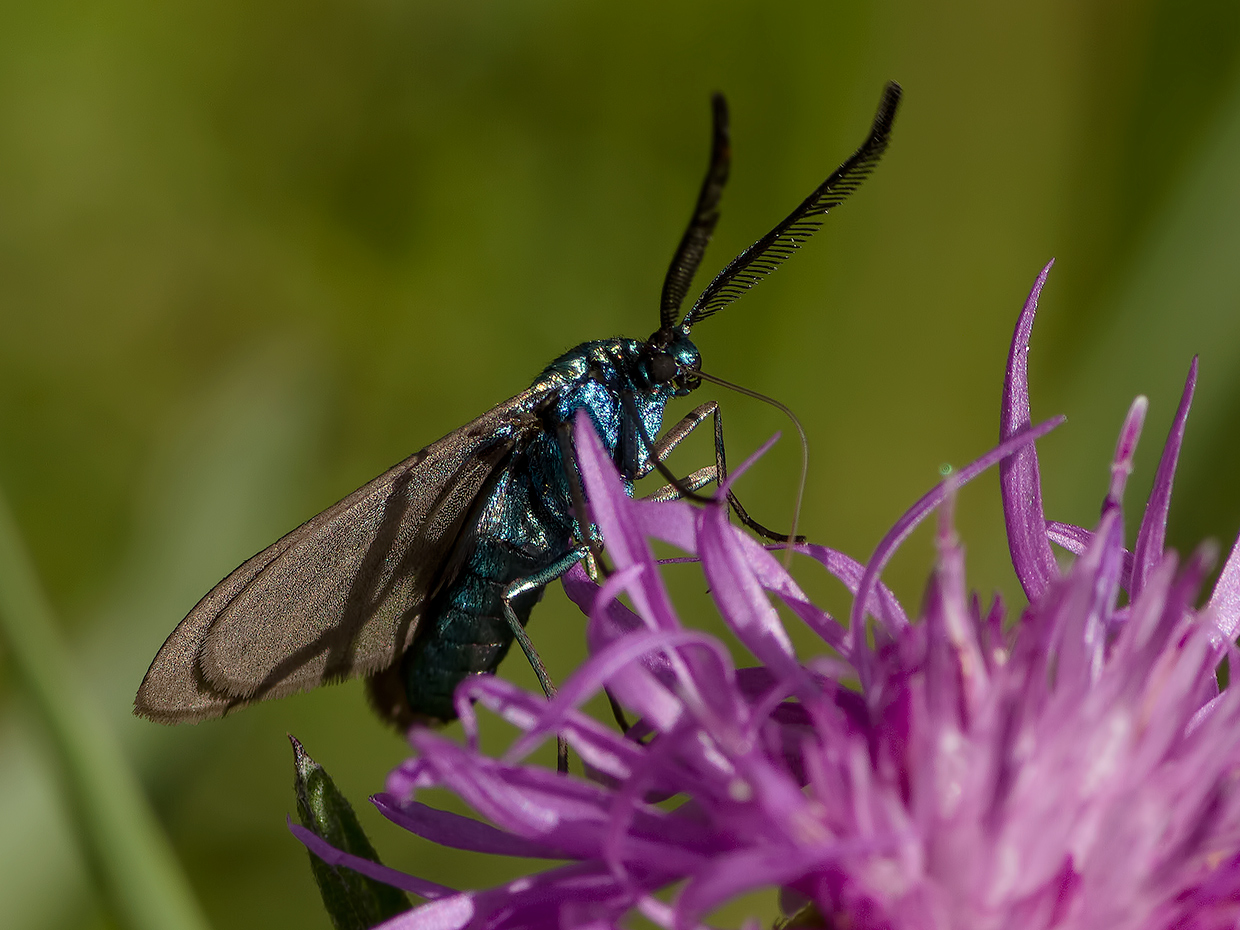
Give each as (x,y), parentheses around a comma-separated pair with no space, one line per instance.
(526,527)
(426,574)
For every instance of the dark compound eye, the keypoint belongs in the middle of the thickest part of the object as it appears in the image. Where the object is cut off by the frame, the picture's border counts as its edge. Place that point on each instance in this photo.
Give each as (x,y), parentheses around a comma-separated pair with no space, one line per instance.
(662,368)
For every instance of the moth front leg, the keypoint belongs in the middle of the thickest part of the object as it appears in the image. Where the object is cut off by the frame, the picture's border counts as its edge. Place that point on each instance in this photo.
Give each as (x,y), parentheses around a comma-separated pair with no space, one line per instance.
(688,486)
(691,482)
(662,447)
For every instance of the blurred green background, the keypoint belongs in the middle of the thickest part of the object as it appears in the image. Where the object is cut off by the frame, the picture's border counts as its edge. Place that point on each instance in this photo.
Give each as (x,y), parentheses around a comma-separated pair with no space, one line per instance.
(253,253)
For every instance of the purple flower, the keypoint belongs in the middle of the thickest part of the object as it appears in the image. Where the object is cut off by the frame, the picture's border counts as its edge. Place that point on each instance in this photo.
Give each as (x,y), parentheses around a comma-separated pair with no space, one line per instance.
(1078,768)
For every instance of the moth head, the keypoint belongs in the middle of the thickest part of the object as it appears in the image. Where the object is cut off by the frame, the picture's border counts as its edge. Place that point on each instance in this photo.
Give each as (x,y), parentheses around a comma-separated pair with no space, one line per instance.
(672,360)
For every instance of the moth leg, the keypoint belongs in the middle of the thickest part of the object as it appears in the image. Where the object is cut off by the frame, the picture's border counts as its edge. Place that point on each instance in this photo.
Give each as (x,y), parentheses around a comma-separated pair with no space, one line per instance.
(517,588)
(662,447)
(595,567)
(743,515)
(659,450)
(684,487)
(734,502)
(617,711)
(693,481)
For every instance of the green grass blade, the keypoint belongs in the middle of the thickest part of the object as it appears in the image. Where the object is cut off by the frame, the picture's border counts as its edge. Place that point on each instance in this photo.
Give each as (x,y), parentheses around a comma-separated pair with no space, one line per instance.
(121,837)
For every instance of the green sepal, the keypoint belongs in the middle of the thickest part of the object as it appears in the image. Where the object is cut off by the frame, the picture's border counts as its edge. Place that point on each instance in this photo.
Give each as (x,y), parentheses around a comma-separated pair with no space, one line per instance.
(807,918)
(353,901)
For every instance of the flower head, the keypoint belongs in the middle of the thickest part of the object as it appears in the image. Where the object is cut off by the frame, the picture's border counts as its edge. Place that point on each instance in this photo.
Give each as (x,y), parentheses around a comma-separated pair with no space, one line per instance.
(1077,767)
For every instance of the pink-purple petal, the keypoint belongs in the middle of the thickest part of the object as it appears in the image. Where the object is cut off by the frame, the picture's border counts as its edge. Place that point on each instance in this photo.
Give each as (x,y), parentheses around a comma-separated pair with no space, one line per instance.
(602,668)
(1125,449)
(771,575)
(371,869)
(451,913)
(1019,478)
(1225,600)
(1076,540)
(912,519)
(609,506)
(883,604)
(457,832)
(741,598)
(1151,536)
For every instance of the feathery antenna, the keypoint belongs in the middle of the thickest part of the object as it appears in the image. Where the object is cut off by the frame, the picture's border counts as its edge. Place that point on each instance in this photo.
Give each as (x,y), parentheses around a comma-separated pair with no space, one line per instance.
(773,249)
(705,215)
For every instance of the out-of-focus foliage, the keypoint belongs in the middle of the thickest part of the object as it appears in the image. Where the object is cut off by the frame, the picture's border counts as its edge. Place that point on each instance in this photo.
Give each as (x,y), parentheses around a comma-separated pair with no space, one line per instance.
(253,253)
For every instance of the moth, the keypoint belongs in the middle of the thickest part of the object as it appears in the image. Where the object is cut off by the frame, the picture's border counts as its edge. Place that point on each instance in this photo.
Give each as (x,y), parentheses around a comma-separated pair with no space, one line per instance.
(428,573)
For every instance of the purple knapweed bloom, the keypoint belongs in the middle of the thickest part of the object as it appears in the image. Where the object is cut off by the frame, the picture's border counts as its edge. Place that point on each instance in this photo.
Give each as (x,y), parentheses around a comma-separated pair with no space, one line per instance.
(1078,768)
